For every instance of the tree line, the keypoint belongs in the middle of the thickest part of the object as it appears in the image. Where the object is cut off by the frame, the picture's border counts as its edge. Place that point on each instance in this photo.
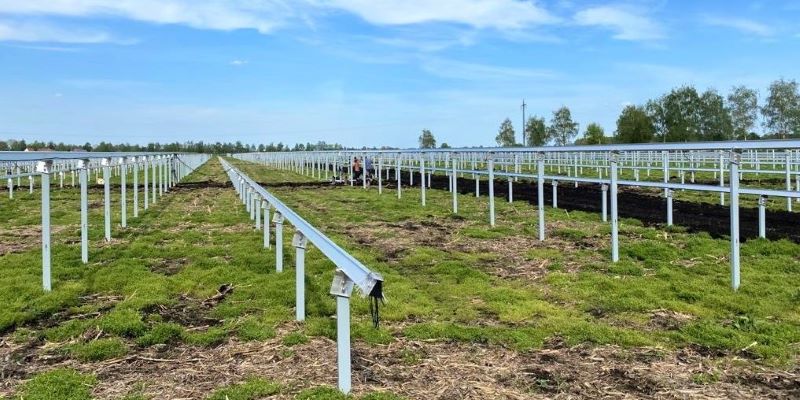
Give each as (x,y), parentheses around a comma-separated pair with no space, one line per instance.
(682,115)
(177,147)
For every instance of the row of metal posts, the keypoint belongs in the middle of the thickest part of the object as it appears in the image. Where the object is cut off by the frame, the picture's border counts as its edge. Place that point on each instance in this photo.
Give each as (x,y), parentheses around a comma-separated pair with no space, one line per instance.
(162,179)
(254,203)
(612,187)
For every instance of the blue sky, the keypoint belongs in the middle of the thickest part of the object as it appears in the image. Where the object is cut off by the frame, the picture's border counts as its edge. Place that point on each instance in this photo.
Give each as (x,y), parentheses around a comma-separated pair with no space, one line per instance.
(365,72)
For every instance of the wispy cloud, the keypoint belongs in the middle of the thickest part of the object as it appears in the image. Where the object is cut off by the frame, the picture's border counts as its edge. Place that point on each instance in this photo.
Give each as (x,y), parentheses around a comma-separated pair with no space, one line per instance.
(23,31)
(627,24)
(263,16)
(57,49)
(498,14)
(743,25)
(452,69)
(238,63)
(267,15)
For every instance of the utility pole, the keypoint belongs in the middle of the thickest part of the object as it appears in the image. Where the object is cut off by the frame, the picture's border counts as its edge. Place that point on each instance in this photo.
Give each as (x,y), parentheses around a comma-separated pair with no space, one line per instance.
(524,142)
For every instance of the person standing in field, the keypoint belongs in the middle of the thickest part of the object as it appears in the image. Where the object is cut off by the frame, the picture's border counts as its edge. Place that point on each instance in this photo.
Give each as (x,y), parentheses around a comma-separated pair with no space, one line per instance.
(357,168)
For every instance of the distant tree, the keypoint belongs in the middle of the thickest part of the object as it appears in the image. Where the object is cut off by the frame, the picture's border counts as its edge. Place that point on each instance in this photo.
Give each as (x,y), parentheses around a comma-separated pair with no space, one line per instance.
(535,132)
(505,135)
(444,145)
(743,104)
(676,114)
(595,134)
(426,140)
(782,110)
(562,129)
(634,126)
(714,119)
(3,146)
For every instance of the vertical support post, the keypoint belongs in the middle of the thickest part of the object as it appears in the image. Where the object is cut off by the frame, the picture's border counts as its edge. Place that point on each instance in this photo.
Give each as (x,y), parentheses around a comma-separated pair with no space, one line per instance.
(299,242)
(257,205)
(555,194)
(604,201)
(278,219)
(422,177)
(266,206)
(44,167)
(762,216)
(135,166)
(146,186)
(399,177)
(669,194)
(84,165)
(342,287)
(490,168)
(788,179)
(123,192)
(734,188)
(454,186)
(540,192)
(614,214)
(511,189)
(107,197)
(379,170)
(721,178)
(155,178)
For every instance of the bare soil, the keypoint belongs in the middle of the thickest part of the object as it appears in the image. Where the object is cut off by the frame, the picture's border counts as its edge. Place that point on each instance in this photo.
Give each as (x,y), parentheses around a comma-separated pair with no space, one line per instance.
(425,370)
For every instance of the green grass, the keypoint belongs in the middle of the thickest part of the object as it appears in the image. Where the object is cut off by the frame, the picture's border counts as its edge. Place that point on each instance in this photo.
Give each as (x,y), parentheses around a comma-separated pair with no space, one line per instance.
(451,290)
(250,389)
(62,384)
(472,284)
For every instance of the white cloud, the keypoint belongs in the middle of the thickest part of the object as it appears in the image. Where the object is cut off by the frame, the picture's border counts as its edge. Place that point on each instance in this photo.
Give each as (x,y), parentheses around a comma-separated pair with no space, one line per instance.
(267,15)
(44,32)
(238,63)
(741,24)
(263,16)
(498,14)
(626,23)
(482,72)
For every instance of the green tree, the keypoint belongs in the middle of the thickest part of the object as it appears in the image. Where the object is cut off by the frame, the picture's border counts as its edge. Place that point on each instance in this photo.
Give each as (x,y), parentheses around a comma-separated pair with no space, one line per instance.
(562,129)
(782,110)
(715,119)
(444,145)
(743,104)
(535,132)
(634,126)
(426,140)
(595,134)
(506,135)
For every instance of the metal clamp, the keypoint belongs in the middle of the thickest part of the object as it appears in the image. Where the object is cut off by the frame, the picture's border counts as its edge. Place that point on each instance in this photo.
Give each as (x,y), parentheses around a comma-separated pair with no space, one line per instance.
(341,286)
(299,240)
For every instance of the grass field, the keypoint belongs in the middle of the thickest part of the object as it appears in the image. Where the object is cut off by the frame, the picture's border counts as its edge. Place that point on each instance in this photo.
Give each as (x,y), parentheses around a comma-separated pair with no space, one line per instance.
(185,303)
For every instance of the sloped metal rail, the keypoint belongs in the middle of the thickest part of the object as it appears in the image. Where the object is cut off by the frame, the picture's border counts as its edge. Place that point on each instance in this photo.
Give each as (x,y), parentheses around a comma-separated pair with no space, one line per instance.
(167,170)
(565,164)
(350,272)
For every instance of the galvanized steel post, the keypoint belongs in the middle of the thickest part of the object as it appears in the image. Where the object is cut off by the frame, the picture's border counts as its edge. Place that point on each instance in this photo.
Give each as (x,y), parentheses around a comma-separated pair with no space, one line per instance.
(278,219)
(454,187)
(342,287)
(299,242)
(135,166)
(540,192)
(614,214)
(124,196)
(107,196)
(490,168)
(266,206)
(604,201)
(44,167)
(762,216)
(735,158)
(83,177)
(422,178)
